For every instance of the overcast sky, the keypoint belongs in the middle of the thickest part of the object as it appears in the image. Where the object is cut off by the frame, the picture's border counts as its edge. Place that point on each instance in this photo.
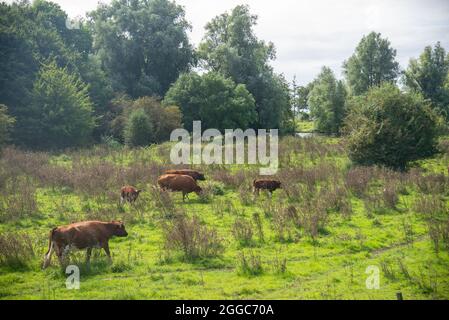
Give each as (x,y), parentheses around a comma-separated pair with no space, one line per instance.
(311,33)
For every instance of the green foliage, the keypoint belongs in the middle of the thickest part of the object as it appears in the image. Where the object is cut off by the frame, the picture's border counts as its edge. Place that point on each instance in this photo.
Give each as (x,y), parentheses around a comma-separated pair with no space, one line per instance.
(31,34)
(138,129)
(390,128)
(372,63)
(60,113)
(6,124)
(428,75)
(231,48)
(154,121)
(215,100)
(143,45)
(327,102)
(300,97)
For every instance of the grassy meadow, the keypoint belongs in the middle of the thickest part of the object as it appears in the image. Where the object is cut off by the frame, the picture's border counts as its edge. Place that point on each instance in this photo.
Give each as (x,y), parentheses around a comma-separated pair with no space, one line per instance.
(313,240)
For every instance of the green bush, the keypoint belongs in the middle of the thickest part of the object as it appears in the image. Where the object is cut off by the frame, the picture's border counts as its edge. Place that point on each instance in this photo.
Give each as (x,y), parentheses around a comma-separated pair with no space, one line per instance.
(390,128)
(138,129)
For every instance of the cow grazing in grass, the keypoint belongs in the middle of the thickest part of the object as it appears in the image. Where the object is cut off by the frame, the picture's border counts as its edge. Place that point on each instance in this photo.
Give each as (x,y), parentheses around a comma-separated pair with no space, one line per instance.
(177,182)
(80,236)
(266,184)
(129,193)
(188,172)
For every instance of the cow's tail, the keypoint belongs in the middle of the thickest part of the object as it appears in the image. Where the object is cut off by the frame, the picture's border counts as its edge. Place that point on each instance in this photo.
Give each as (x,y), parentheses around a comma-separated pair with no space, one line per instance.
(47,257)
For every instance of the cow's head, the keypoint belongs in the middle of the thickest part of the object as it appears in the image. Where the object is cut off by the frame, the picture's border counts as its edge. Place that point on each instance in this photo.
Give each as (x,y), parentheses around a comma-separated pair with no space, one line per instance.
(200,176)
(136,194)
(119,229)
(198,190)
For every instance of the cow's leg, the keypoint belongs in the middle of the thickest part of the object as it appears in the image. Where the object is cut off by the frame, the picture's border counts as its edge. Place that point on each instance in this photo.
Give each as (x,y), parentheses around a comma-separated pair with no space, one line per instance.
(60,253)
(183,196)
(88,254)
(106,249)
(47,258)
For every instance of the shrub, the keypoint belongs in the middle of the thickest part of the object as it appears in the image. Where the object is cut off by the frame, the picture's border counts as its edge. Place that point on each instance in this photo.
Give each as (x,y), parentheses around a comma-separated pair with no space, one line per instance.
(19,200)
(139,129)
(279,264)
(390,128)
(390,196)
(313,217)
(16,250)
(194,239)
(283,223)
(357,180)
(250,264)
(259,226)
(163,201)
(242,230)
(436,214)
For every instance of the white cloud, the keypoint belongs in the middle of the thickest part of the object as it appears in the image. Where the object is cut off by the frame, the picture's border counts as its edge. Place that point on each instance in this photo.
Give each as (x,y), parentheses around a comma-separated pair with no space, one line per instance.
(311,33)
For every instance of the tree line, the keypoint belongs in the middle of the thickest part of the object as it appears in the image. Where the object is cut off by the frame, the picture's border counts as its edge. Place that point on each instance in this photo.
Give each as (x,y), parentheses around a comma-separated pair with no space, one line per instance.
(128,73)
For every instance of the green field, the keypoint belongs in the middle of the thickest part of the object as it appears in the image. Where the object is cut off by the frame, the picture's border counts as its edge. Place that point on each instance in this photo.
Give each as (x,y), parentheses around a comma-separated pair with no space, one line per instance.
(315,242)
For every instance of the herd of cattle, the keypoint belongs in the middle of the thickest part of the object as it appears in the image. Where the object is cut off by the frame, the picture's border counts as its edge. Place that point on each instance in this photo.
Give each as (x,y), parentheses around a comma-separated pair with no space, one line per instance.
(96,234)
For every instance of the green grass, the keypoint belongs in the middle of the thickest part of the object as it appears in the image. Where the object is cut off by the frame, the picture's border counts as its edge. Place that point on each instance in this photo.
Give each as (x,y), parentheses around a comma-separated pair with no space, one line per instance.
(332,267)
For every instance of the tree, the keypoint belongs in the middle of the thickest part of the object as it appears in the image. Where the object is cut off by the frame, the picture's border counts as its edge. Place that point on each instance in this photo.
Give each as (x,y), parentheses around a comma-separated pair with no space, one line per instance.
(162,120)
(60,113)
(215,100)
(372,63)
(31,34)
(6,124)
(327,102)
(428,74)
(143,44)
(231,48)
(138,130)
(390,128)
(300,99)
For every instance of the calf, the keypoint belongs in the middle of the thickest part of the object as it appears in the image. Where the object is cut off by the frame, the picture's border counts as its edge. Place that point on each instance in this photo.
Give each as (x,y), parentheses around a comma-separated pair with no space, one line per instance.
(129,193)
(82,235)
(177,182)
(266,184)
(188,172)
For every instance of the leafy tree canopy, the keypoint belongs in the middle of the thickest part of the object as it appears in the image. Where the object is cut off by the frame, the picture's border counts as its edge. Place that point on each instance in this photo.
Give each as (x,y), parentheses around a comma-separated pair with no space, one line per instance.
(231,48)
(327,102)
(428,75)
(60,113)
(143,44)
(372,63)
(215,100)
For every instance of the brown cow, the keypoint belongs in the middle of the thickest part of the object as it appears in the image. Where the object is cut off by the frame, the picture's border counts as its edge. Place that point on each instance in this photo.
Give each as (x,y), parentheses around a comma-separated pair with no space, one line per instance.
(266,184)
(129,193)
(177,182)
(188,172)
(82,235)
